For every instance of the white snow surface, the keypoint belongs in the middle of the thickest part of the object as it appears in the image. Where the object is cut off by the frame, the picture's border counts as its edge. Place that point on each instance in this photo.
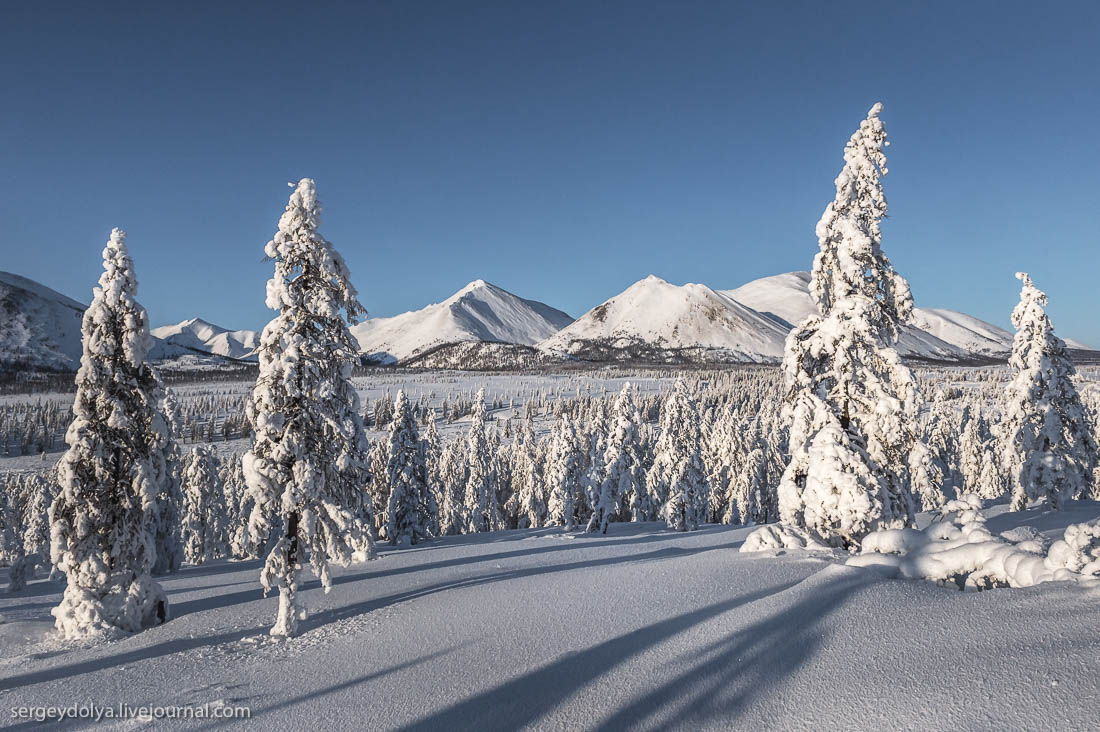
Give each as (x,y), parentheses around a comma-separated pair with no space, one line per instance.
(480,311)
(199,335)
(642,628)
(656,312)
(933,333)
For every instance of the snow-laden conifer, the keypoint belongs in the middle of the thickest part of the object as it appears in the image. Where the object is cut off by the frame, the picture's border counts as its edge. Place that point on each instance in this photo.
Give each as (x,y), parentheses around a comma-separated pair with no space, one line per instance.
(452,488)
(530,480)
(617,475)
(565,460)
(411,506)
(677,479)
(852,403)
(307,466)
(205,530)
(1049,445)
(482,508)
(169,505)
(103,522)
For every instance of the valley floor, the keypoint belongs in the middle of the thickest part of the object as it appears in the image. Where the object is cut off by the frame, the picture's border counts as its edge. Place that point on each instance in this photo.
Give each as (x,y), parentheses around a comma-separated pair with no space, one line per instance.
(642,628)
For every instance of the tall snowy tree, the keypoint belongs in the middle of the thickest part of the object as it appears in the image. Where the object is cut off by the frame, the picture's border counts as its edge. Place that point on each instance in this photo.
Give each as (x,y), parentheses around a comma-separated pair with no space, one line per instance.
(852,402)
(452,488)
(564,473)
(205,530)
(677,480)
(103,522)
(308,464)
(411,508)
(528,476)
(169,539)
(1049,444)
(482,508)
(617,475)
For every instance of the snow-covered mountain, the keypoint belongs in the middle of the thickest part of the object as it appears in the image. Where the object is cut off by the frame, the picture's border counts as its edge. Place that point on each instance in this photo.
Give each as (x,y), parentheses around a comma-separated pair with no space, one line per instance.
(198,335)
(39,328)
(655,320)
(934,333)
(479,311)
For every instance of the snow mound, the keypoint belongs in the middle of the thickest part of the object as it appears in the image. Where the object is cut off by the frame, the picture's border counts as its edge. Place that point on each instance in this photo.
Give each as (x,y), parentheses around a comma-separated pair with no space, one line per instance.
(655,313)
(958,549)
(480,311)
(199,335)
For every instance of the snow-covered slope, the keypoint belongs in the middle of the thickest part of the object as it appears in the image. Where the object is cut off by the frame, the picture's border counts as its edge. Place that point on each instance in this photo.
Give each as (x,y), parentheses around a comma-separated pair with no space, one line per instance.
(642,628)
(479,311)
(39,328)
(934,332)
(654,314)
(199,335)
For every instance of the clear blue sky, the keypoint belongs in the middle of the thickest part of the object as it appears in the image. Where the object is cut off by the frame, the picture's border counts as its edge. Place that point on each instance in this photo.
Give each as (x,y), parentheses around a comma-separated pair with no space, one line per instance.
(561,150)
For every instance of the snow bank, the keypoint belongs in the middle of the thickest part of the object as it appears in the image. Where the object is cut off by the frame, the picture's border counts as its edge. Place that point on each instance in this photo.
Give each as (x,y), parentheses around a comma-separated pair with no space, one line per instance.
(958,548)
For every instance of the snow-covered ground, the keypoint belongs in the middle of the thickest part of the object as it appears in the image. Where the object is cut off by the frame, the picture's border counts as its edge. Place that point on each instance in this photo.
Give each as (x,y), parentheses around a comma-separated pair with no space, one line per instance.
(642,628)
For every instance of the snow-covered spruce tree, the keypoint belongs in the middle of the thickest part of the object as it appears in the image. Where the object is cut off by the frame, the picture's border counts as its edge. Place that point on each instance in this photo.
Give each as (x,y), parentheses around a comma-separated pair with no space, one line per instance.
(411,507)
(564,473)
(41,490)
(1049,445)
(531,499)
(678,477)
(482,509)
(617,474)
(452,488)
(169,507)
(103,522)
(851,401)
(433,451)
(307,465)
(205,533)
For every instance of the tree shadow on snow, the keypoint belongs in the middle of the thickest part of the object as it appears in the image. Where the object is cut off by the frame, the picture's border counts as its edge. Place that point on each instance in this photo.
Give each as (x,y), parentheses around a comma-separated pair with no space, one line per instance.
(719,680)
(233,598)
(529,698)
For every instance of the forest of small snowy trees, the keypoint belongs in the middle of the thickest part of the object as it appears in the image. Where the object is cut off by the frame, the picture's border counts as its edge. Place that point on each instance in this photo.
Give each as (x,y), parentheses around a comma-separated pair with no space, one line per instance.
(844,443)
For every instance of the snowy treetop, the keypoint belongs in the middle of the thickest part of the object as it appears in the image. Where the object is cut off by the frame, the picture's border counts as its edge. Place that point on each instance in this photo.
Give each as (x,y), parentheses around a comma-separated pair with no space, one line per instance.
(309,273)
(850,262)
(115,298)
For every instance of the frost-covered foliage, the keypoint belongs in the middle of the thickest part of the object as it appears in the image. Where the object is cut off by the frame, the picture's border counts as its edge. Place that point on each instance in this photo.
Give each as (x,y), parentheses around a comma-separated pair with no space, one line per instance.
(1049,444)
(565,473)
(676,483)
(307,467)
(852,403)
(452,488)
(103,524)
(411,509)
(205,519)
(959,550)
(618,475)
(528,475)
(482,506)
(169,507)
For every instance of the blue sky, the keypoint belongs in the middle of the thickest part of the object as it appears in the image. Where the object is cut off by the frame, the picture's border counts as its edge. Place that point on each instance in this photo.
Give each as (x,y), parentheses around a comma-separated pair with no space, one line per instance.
(561,150)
